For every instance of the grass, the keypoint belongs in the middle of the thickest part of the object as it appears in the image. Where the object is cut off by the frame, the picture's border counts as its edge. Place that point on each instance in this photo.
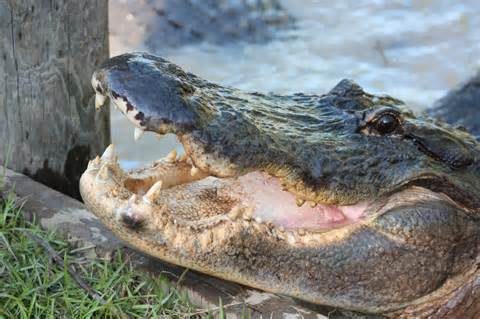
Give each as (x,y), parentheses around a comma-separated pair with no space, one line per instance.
(33,286)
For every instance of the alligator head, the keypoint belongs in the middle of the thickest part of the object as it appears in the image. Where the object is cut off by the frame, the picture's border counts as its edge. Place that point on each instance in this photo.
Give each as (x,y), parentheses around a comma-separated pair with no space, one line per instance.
(345,199)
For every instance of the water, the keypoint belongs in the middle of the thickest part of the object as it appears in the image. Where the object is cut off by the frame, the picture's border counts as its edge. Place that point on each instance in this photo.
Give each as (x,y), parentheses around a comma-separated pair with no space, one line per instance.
(412,50)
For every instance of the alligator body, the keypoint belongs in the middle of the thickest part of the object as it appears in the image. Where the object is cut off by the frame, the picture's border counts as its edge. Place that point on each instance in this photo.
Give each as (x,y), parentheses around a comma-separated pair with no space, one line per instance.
(344,199)
(172,23)
(460,107)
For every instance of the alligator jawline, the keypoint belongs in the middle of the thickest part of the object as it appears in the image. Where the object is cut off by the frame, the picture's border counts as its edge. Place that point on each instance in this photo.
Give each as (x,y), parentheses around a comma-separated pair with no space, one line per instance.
(256,196)
(193,197)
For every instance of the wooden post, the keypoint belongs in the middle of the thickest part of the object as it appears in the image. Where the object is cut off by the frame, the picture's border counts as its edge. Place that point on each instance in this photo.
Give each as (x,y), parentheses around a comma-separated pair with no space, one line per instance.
(48,52)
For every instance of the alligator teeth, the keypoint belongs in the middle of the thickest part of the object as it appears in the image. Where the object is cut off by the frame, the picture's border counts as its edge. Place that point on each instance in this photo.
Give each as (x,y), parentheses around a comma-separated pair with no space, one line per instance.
(234,213)
(104,173)
(291,239)
(312,204)
(248,213)
(133,198)
(154,192)
(259,220)
(172,156)
(91,165)
(183,158)
(194,171)
(109,154)
(138,133)
(94,164)
(99,100)
(300,202)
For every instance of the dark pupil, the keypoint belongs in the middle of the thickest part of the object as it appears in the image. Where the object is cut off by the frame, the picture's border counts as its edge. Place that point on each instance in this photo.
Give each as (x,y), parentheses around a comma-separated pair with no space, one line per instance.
(387,123)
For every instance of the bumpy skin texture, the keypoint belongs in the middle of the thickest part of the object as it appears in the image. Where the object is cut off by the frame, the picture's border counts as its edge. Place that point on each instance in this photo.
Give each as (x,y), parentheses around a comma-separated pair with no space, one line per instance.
(313,142)
(415,249)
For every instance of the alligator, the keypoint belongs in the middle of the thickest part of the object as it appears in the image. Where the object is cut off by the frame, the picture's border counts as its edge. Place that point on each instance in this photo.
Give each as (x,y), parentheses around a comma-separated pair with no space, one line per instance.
(346,199)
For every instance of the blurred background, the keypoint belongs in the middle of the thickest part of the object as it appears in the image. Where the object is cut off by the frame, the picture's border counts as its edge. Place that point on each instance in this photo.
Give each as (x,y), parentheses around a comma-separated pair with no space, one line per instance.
(412,50)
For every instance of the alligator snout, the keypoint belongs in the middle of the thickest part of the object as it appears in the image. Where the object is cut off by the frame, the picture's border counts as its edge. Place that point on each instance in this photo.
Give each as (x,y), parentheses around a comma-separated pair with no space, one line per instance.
(156,101)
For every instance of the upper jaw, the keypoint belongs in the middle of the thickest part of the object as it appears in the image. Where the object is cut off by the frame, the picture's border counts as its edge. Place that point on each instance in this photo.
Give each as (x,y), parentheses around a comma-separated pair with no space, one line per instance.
(228,133)
(216,126)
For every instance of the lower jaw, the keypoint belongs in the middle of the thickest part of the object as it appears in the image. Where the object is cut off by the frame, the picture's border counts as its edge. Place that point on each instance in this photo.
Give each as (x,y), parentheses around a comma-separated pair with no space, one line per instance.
(219,244)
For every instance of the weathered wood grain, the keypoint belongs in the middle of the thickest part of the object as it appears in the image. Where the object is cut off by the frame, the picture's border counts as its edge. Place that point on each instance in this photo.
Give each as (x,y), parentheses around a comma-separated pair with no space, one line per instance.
(48,51)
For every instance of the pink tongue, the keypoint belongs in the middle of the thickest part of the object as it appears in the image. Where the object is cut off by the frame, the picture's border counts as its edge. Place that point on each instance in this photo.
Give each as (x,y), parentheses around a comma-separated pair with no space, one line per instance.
(273,204)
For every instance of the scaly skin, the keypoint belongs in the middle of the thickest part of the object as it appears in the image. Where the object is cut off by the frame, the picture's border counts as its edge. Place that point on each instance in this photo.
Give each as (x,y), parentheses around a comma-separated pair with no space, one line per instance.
(412,251)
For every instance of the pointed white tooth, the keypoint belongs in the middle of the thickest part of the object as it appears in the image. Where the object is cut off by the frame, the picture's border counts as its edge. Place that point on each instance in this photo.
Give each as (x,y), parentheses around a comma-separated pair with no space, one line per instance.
(99,100)
(172,156)
(133,198)
(104,173)
(154,192)
(138,133)
(194,171)
(93,165)
(109,154)
(259,220)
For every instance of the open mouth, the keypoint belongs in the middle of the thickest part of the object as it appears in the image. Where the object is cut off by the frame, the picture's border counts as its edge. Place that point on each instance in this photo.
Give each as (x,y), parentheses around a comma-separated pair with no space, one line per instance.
(176,181)
(193,184)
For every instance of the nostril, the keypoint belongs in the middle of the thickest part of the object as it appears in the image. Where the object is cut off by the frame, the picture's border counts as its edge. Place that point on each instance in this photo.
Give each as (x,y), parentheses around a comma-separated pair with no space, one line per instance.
(130,216)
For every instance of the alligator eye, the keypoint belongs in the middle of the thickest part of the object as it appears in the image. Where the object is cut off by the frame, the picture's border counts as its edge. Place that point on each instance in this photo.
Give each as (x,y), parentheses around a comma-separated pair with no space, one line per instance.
(386,123)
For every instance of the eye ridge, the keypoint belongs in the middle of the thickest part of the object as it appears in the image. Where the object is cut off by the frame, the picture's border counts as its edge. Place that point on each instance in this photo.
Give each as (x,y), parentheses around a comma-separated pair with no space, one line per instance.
(386,122)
